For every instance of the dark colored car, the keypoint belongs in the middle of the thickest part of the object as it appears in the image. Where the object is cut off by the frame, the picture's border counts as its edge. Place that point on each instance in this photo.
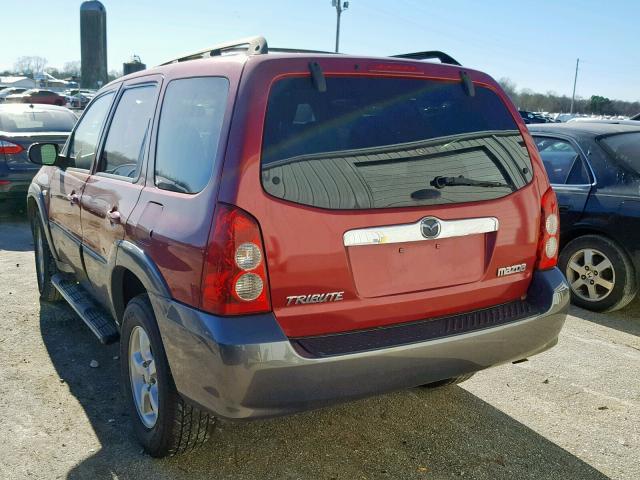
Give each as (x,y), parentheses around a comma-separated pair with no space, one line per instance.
(531,117)
(595,170)
(20,127)
(273,232)
(79,100)
(37,96)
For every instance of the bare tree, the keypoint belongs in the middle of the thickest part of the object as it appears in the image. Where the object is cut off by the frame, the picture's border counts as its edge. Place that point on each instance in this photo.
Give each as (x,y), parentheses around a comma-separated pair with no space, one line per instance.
(30,65)
(113,74)
(527,99)
(510,87)
(72,69)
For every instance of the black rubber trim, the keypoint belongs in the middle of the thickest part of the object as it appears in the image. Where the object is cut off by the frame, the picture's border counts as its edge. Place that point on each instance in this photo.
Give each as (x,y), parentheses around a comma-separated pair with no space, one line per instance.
(407,333)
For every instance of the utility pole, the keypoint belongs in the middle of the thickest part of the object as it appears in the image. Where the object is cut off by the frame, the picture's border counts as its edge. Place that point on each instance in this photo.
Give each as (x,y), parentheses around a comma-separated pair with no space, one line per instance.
(575,80)
(340,7)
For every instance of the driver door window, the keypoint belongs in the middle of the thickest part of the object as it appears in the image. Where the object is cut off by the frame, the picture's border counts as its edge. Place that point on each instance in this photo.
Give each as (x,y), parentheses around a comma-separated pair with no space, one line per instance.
(83,144)
(124,148)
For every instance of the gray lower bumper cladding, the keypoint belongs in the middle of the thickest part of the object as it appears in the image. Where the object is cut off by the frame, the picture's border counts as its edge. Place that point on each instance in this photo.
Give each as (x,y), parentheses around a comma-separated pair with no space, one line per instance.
(246,367)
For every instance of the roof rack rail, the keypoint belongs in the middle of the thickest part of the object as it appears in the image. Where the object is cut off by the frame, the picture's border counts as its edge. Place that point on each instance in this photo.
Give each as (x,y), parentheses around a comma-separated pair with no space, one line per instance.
(258,46)
(299,50)
(251,46)
(443,57)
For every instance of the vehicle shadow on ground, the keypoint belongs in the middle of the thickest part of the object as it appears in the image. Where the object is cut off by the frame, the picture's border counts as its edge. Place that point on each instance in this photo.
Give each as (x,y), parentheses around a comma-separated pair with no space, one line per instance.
(417,433)
(625,320)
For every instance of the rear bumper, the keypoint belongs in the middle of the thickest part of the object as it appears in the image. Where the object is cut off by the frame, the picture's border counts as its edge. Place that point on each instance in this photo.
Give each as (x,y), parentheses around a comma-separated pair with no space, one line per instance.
(246,367)
(15,184)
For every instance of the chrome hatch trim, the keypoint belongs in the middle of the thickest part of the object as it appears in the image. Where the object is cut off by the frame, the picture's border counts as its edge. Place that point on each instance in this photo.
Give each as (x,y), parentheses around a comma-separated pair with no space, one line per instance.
(412,232)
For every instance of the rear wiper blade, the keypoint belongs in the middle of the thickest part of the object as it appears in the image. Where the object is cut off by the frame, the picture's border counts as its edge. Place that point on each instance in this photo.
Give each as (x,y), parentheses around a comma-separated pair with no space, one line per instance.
(441,182)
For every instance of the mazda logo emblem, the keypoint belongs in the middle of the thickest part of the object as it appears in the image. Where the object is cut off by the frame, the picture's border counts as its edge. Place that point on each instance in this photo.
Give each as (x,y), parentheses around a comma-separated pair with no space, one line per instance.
(430,227)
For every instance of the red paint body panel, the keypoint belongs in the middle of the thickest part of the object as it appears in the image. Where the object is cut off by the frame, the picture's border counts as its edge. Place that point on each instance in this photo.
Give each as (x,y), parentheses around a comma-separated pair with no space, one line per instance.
(304,245)
(390,269)
(173,228)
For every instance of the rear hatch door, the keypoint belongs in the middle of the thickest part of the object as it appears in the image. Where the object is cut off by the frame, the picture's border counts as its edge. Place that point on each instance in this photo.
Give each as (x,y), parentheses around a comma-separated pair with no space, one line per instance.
(388,199)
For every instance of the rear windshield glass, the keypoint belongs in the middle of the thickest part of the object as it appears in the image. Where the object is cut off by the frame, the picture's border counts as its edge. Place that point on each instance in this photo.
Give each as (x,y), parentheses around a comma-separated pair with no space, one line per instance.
(389,142)
(625,147)
(37,121)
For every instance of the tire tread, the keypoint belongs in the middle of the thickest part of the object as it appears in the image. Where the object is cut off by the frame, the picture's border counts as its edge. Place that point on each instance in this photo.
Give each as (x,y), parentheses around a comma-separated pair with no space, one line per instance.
(48,292)
(187,427)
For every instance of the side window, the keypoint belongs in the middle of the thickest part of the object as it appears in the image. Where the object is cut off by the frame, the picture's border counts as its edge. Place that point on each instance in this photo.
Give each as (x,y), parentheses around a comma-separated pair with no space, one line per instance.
(83,145)
(189,132)
(562,161)
(124,148)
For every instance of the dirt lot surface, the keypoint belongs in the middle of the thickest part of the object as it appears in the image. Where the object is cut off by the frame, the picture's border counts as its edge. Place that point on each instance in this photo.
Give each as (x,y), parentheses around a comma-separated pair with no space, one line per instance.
(570,413)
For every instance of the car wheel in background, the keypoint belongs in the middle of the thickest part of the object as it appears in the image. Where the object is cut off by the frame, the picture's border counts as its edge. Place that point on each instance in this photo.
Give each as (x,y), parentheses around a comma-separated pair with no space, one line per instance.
(600,273)
(45,263)
(163,422)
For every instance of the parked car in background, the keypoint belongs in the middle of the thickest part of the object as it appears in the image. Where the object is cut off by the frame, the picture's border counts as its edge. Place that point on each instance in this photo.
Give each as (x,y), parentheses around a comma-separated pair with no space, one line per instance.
(37,96)
(594,168)
(616,121)
(79,100)
(532,117)
(362,225)
(5,92)
(20,127)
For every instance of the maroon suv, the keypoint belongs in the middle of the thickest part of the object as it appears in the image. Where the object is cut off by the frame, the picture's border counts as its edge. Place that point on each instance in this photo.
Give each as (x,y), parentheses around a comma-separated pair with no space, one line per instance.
(268,232)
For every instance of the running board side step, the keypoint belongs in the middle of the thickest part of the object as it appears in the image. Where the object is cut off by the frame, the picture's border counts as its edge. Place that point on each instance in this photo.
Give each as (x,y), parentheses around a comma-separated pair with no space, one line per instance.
(99,321)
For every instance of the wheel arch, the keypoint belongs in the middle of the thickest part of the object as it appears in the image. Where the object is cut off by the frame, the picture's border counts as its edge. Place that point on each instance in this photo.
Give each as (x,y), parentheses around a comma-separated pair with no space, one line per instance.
(133,273)
(582,230)
(36,205)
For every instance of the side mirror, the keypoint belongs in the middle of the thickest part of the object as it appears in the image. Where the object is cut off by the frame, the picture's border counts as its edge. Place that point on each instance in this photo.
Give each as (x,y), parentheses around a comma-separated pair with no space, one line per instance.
(43,153)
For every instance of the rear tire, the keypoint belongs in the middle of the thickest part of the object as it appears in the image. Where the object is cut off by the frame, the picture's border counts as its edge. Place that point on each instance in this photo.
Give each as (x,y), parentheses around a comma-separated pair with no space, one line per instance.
(45,263)
(173,426)
(600,273)
(448,381)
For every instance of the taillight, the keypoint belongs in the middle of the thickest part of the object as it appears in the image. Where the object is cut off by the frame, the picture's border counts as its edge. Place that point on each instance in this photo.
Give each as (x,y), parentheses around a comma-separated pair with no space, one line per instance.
(549,232)
(234,281)
(10,148)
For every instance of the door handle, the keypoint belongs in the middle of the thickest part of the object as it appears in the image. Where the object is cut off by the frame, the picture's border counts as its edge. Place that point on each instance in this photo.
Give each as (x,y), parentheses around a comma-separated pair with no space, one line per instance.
(73,198)
(113,215)
(564,208)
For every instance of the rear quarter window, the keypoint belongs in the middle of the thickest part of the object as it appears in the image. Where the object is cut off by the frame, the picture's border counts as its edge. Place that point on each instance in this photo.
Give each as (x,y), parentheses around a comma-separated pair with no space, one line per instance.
(190,127)
(625,148)
(384,142)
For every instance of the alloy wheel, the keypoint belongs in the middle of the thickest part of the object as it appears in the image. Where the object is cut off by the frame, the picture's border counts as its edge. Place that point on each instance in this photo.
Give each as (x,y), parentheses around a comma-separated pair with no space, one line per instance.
(590,274)
(144,380)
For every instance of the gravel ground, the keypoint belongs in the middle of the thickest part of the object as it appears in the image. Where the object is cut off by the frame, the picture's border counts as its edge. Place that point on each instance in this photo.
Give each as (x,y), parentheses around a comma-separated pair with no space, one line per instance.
(572,412)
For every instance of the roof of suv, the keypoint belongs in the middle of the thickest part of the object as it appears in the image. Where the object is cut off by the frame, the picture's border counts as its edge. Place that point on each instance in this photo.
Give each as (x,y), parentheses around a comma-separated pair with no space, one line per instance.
(256,50)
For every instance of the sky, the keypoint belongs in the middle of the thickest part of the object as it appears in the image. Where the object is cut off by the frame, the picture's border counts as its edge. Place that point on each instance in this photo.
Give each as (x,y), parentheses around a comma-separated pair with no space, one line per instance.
(533,43)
